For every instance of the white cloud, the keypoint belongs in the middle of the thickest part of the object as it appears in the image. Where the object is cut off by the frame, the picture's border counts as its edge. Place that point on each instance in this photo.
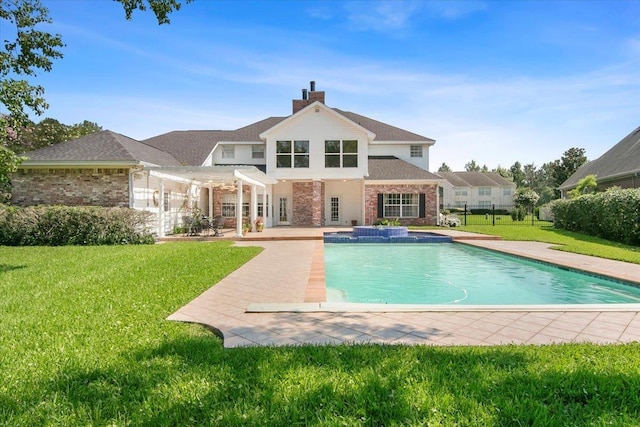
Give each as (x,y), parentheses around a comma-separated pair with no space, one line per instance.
(381,16)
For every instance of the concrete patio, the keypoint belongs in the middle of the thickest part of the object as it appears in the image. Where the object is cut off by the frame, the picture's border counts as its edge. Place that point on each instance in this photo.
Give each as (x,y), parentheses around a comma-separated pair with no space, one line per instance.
(284,285)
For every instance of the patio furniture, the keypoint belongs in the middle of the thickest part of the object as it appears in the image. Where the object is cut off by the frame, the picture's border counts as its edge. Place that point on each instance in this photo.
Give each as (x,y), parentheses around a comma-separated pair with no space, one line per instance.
(216,225)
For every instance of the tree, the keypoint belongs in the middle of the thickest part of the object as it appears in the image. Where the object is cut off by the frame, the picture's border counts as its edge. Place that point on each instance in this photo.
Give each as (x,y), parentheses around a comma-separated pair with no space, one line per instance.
(161,8)
(81,129)
(472,166)
(525,197)
(31,52)
(444,168)
(50,132)
(570,161)
(503,172)
(586,185)
(517,174)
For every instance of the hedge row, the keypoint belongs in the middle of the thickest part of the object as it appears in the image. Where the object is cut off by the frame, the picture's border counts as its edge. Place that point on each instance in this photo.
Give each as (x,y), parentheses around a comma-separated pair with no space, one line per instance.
(613,215)
(66,225)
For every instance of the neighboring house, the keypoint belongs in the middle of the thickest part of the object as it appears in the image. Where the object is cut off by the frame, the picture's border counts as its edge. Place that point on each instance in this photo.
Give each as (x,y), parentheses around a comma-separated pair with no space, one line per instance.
(477,190)
(620,166)
(318,166)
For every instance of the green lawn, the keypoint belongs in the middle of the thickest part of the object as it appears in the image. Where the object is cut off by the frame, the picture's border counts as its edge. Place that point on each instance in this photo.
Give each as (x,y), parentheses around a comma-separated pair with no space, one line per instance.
(565,240)
(84,341)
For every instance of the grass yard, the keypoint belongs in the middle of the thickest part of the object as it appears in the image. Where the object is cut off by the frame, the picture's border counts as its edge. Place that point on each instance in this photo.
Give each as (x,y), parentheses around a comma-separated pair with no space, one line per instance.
(565,240)
(84,341)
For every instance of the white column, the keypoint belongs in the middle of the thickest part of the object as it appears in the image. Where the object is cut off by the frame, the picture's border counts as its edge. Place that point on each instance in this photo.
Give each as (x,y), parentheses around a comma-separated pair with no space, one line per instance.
(161,209)
(263,191)
(239,208)
(253,208)
(189,198)
(210,202)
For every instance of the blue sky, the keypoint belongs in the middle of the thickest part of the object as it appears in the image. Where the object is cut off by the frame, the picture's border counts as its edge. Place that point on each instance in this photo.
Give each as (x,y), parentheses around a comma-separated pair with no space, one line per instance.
(496,82)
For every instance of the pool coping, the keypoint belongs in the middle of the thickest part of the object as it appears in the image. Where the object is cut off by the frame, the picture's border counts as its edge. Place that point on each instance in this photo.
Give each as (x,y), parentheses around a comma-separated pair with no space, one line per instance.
(272,281)
(343,307)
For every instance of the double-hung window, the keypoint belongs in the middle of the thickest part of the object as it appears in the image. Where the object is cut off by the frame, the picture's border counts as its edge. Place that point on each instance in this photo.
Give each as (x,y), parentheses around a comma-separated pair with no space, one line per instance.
(484,191)
(401,205)
(416,150)
(229,206)
(292,154)
(257,151)
(228,151)
(341,154)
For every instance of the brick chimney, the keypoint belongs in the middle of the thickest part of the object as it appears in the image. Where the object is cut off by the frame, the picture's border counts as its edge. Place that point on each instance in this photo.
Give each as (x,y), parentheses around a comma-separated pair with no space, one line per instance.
(313,96)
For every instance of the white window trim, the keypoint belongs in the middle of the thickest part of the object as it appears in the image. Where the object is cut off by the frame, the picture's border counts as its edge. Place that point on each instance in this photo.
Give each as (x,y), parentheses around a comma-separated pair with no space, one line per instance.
(402,205)
(228,151)
(257,151)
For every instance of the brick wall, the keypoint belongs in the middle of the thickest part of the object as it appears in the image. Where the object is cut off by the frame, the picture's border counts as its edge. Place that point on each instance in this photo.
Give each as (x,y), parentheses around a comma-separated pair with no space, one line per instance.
(430,191)
(71,187)
(308,204)
(229,222)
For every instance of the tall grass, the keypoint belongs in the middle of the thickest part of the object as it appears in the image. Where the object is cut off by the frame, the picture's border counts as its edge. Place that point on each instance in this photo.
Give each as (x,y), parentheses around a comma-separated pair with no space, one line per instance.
(84,341)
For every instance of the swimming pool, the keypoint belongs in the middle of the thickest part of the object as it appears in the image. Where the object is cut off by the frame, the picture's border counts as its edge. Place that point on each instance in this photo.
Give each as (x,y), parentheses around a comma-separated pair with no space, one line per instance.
(457,274)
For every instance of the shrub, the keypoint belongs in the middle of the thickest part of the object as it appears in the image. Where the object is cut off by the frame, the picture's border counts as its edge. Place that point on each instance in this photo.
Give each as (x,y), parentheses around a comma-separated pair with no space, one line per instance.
(518,214)
(612,215)
(64,225)
(490,211)
(388,222)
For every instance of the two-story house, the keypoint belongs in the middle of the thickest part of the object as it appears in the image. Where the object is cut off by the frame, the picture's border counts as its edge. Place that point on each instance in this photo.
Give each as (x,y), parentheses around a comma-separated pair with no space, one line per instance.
(318,166)
(477,190)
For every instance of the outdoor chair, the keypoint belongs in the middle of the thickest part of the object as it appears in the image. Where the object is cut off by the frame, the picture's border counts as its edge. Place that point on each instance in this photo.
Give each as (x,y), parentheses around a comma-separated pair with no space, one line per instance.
(205,224)
(187,222)
(216,225)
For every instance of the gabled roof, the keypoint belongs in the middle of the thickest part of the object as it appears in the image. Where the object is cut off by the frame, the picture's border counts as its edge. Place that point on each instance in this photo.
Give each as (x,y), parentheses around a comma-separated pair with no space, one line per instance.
(192,147)
(383,131)
(317,105)
(621,160)
(383,168)
(476,179)
(103,146)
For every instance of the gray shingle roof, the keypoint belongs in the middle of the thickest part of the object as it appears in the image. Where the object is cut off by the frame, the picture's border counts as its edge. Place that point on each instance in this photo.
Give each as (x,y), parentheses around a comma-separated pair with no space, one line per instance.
(391,167)
(192,147)
(476,179)
(103,146)
(383,131)
(622,159)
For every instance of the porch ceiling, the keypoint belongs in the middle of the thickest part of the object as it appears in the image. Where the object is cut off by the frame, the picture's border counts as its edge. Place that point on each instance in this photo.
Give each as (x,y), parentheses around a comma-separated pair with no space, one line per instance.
(213,175)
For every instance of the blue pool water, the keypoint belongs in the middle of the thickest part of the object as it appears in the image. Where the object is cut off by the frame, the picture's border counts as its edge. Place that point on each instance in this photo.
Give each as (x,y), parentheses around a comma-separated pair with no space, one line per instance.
(451,273)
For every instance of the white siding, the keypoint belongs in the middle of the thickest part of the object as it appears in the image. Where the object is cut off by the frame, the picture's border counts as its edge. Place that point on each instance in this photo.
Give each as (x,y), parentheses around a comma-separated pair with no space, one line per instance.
(317,128)
(401,151)
(350,195)
(146,197)
(243,155)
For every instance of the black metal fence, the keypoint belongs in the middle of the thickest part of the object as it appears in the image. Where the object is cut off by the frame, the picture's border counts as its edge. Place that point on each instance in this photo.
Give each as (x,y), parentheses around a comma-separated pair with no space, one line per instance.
(496,215)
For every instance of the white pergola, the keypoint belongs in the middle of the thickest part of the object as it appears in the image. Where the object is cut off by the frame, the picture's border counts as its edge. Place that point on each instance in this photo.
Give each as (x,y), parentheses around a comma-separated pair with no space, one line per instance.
(211,177)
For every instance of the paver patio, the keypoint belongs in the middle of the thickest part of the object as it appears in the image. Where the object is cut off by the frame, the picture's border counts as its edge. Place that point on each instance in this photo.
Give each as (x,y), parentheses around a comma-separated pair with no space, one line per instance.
(287,272)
